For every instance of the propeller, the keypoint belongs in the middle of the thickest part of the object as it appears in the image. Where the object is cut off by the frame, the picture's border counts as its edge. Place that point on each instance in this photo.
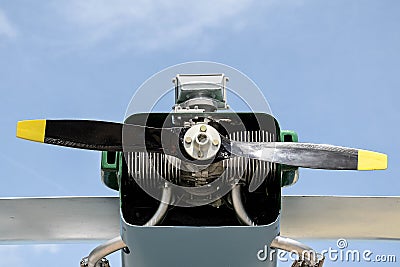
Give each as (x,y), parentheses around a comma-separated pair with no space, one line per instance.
(111,136)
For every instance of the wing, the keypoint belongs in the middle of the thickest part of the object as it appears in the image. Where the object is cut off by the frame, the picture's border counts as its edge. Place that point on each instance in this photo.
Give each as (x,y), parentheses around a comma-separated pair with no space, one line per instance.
(330,217)
(64,219)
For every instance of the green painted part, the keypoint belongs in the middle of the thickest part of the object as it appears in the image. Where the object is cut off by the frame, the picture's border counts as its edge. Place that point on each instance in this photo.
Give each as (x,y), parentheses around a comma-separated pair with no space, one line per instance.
(288,178)
(111,168)
(288,172)
(289,136)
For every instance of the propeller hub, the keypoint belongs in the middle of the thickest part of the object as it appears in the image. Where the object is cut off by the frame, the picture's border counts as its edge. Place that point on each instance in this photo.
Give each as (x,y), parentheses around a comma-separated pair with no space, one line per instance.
(202,142)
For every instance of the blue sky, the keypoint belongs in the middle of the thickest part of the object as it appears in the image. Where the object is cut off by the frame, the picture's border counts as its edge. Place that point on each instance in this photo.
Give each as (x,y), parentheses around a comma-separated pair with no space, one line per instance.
(329,70)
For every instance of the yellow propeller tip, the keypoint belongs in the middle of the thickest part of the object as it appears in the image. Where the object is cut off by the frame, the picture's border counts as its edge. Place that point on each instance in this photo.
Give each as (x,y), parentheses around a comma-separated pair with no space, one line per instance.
(368,160)
(33,130)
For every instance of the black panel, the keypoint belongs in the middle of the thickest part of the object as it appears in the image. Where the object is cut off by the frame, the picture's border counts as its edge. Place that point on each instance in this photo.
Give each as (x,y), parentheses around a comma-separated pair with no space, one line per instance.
(263,205)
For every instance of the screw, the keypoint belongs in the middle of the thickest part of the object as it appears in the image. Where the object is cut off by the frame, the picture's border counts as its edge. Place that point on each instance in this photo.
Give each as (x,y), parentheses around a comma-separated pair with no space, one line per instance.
(200,154)
(188,140)
(84,262)
(215,142)
(203,128)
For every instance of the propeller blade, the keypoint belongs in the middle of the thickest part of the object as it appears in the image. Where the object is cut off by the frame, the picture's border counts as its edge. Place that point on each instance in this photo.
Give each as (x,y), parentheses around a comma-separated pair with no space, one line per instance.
(315,156)
(97,135)
(84,134)
(63,219)
(331,217)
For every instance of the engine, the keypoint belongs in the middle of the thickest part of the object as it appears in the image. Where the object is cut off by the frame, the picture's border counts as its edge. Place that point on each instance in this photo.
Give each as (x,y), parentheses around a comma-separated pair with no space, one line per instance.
(205,196)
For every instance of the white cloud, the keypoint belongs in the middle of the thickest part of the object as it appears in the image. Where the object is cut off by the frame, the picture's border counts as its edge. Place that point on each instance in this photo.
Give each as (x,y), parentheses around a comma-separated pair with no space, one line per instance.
(153,24)
(6,28)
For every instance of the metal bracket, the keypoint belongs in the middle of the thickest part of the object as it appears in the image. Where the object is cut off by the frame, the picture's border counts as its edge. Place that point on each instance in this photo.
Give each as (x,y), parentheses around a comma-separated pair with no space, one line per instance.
(96,257)
(206,92)
(306,263)
(101,263)
(308,257)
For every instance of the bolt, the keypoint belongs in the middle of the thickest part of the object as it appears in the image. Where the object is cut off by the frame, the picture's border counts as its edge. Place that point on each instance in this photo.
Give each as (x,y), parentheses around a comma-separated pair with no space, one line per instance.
(103,263)
(203,128)
(215,142)
(188,140)
(84,262)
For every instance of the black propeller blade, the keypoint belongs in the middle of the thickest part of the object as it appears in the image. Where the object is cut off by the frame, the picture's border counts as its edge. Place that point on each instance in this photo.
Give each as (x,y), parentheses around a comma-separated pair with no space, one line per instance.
(84,134)
(95,135)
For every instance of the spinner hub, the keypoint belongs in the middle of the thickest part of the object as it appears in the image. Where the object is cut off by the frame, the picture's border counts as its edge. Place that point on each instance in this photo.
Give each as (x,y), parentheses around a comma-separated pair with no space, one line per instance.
(202,142)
